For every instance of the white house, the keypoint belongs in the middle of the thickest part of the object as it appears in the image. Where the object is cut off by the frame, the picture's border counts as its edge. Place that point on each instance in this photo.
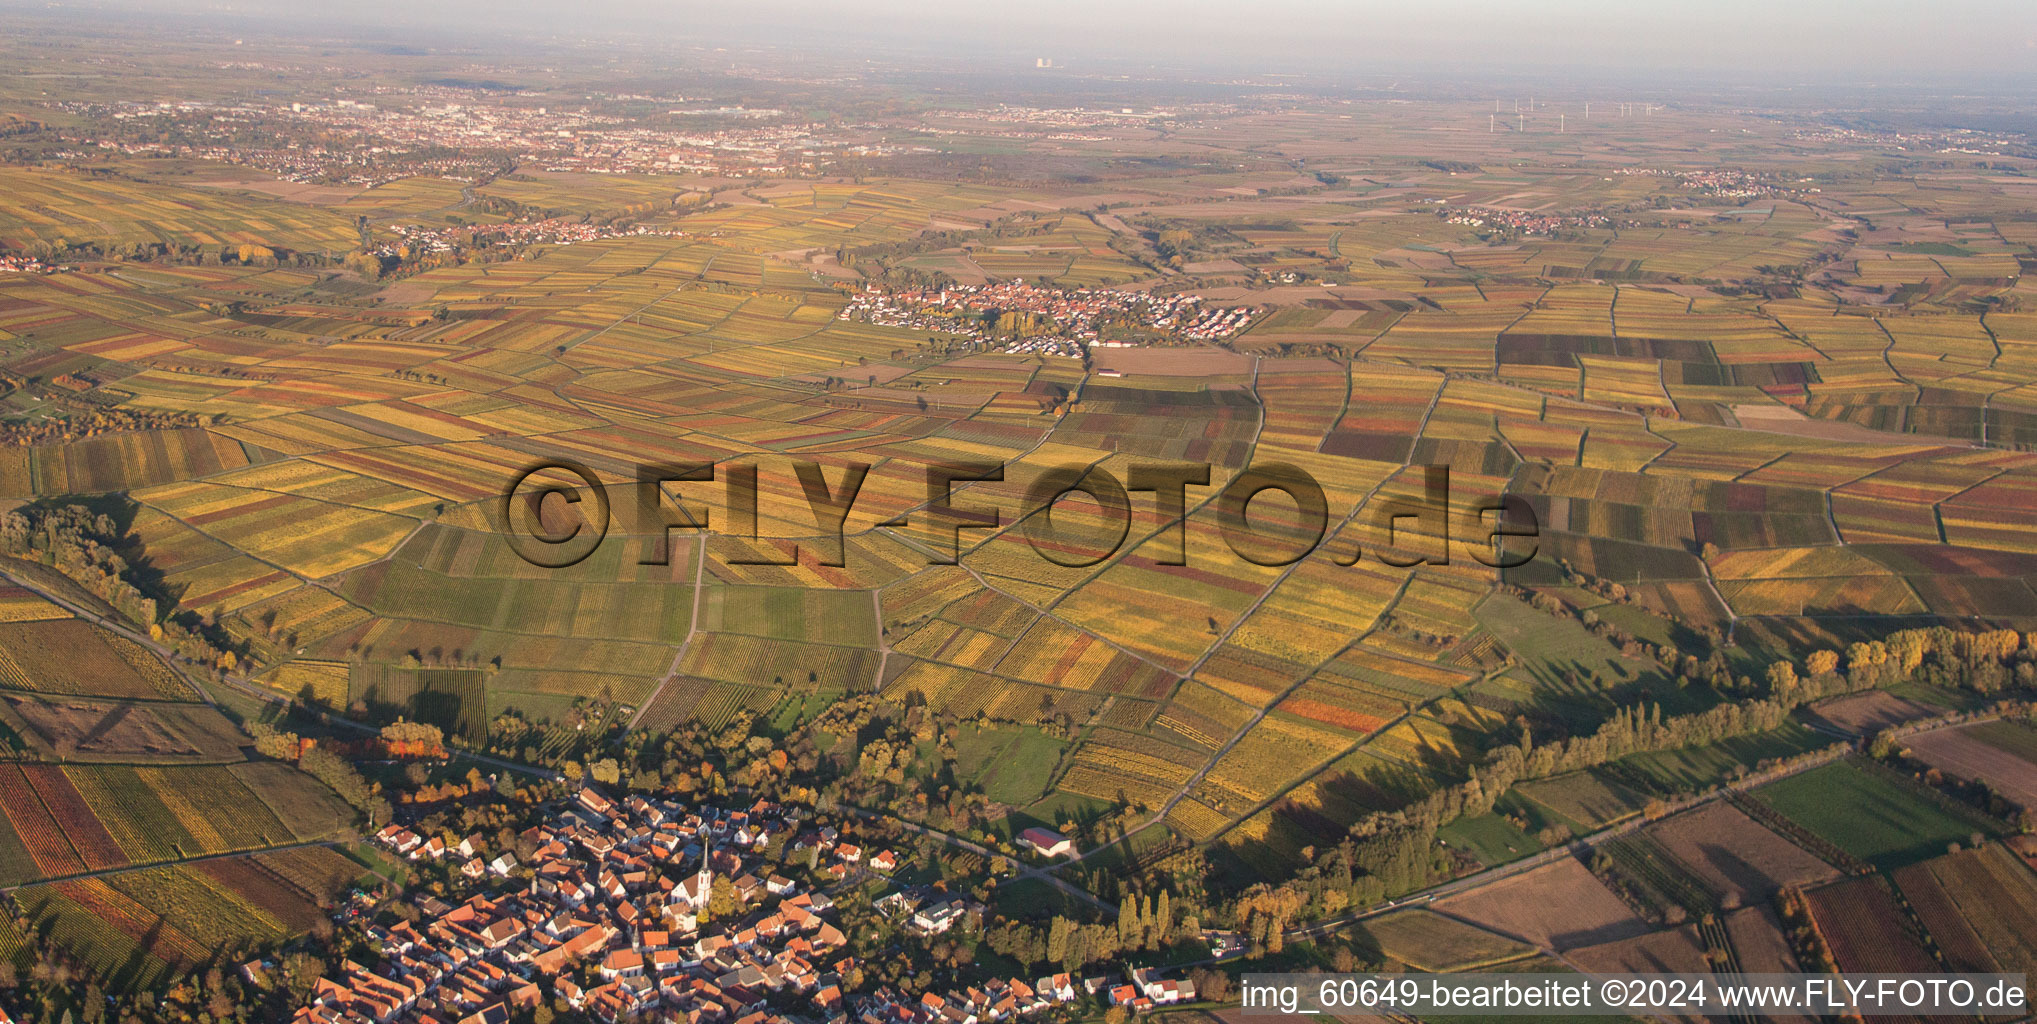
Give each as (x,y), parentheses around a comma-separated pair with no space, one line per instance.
(935,918)
(1047,842)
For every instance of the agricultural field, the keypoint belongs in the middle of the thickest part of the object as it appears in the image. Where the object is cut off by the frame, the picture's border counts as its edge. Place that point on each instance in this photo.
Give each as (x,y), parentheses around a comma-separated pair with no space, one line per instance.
(1980,906)
(2001,754)
(1868,713)
(1871,813)
(1493,838)
(1558,906)
(1669,951)
(72,657)
(1759,941)
(82,818)
(1013,766)
(1736,857)
(19,604)
(1866,930)
(371,537)
(77,729)
(1427,941)
(1691,769)
(45,206)
(383,452)
(143,925)
(124,767)
(1584,801)
(787,363)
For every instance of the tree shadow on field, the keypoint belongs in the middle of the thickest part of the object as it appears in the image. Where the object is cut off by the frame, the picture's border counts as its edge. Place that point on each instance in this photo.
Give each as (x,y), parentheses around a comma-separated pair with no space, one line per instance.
(105,725)
(141,968)
(1739,870)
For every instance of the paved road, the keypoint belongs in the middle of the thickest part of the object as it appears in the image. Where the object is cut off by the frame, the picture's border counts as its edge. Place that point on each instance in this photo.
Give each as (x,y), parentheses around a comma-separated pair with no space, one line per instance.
(1024,870)
(113,625)
(1580,848)
(457,753)
(255,692)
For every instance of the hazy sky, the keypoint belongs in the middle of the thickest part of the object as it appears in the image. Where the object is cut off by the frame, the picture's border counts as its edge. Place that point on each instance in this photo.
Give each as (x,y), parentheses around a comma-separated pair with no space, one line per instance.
(1865,39)
(1767,34)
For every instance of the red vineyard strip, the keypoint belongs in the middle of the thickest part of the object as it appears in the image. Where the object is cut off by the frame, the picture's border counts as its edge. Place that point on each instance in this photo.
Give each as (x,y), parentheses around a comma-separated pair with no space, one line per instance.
(39,832)
(96,845)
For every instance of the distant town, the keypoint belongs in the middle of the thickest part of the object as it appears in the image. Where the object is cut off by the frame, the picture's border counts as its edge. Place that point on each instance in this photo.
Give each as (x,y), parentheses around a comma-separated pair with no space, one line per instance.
(387,134)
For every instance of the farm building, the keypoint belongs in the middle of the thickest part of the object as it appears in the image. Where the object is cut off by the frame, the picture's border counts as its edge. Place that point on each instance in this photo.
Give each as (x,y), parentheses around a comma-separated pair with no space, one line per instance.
(1046,842)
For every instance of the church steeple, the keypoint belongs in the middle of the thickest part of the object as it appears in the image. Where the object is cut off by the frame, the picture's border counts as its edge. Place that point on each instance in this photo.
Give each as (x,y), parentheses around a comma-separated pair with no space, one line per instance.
(705,879)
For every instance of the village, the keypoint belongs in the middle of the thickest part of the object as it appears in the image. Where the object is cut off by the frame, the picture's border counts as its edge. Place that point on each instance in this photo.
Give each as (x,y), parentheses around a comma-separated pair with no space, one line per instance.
(13,263)
(1521,222)
(416,240)
(1043,320)
(642,909)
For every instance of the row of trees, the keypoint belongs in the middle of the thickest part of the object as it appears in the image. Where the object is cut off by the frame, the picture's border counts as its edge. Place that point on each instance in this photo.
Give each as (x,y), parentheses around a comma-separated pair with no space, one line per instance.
(66,419)
(86,546)
(1387,853)
(325,766)
(78,542)
(246,254)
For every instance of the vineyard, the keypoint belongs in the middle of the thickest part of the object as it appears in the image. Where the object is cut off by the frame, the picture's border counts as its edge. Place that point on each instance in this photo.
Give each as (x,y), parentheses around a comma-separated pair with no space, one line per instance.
(75,658)
(41,836)
(1654,872)
(316,871)
(1865,929)
(1428,941)
(1959,943)
(1759,425)
(120,939)
(21,605)
(1725,849)
(381,491)
(196,903)
(138,927)
(1995,896)
(65,821)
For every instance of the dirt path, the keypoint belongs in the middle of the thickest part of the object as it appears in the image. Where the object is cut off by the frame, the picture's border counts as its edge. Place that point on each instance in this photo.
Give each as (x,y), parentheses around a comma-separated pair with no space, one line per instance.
(692,630)
(103,872)
(883,641)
